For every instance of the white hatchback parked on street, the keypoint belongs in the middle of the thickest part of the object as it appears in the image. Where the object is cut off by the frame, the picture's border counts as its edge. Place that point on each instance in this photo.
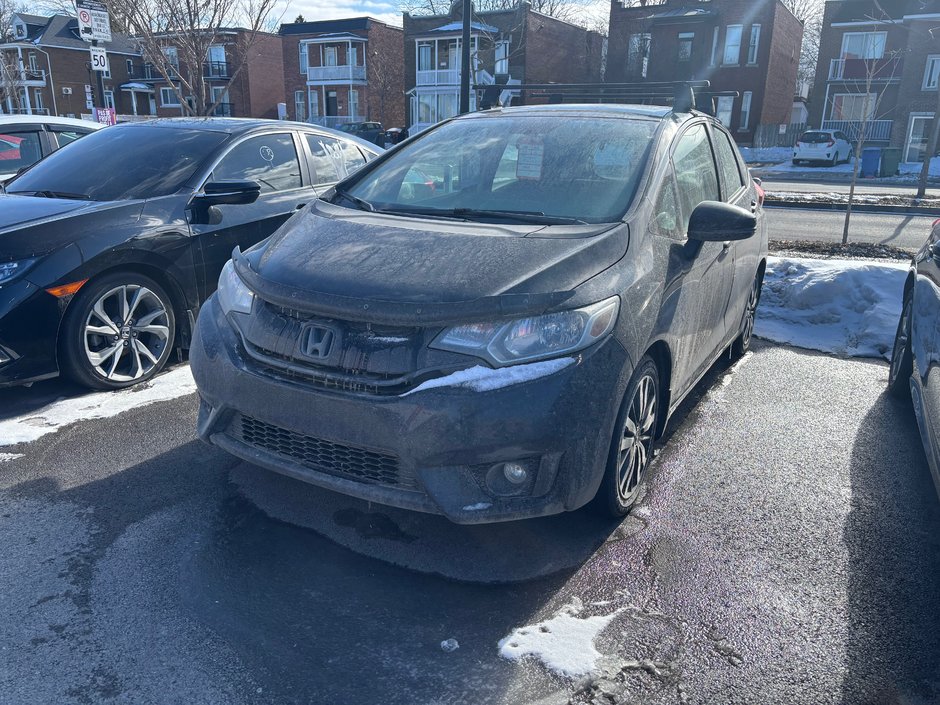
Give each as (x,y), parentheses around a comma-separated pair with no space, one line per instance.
(828,146)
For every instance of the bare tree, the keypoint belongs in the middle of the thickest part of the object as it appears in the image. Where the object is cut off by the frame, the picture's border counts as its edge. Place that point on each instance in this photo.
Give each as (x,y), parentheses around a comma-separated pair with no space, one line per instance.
(191,27)
(10,64)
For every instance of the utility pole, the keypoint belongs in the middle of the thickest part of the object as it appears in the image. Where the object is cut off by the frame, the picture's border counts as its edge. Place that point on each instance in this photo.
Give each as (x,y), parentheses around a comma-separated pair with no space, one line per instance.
(465,58)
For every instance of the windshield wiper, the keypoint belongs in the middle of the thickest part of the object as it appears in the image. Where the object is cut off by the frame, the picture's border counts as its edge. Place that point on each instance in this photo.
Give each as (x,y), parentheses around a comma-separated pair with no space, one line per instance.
(521,216)
(53,194)
(363,204)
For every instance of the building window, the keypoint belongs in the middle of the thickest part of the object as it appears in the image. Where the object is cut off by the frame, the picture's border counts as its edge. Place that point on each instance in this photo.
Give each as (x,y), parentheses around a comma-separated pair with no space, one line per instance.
(168,98)
(714,57)
(685,45)
(329,56)
(33,62)
(314,103)
(638,54)
(745,110)
(502,56)
(753,44)
(425,56)
(130,67)
(299,106)
(724,110)
(304,60)
(109,99)
(863,45)
(732,45)
(854,107)
(354,104)
(37,100)
(172,57)
(931,72)
(351,56)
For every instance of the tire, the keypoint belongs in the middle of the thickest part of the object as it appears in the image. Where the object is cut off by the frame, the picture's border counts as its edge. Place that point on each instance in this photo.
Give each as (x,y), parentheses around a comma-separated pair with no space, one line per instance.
(902,358)
(796,162)
(742,343)
(118,331)
(631,448)
(835,160)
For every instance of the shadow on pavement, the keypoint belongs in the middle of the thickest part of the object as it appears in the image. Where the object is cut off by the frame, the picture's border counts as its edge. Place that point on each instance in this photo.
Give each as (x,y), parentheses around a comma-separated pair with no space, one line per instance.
(892,534)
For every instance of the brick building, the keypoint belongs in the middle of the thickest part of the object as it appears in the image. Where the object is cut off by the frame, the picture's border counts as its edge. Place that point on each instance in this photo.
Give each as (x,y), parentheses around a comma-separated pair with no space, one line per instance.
(518,45)
(879,67)
(347,70)
(749,46)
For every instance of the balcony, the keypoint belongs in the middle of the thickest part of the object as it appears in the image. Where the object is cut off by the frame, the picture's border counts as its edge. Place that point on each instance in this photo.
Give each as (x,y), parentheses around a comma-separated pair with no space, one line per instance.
(875,130)
(322,74)
(32,77)
(31,111)
(884,69)
(223,110)
(215,69)
(446,77)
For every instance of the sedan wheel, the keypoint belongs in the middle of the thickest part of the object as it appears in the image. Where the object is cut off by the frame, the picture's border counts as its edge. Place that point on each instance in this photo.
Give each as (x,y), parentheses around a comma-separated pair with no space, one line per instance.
(119,332)
(634,437)
(743,342)
(902,359)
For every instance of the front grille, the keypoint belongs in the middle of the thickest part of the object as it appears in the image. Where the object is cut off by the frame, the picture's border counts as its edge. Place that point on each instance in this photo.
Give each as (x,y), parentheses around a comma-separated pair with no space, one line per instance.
(324,456)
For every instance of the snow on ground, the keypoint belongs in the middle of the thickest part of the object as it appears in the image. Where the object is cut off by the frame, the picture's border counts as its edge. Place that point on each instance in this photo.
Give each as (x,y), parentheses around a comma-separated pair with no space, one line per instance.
(782,162)
(7,457)
(564,643)
(100,405)
(766,154)
(485,379)
(843,307)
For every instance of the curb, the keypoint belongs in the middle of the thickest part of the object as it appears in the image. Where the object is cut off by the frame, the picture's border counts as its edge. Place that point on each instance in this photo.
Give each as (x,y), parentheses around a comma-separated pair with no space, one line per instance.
(925,211)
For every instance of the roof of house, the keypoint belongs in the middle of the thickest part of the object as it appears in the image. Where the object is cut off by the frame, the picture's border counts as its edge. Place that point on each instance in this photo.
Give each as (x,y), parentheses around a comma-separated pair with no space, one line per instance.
(346,24)
(882,10)
(458,26)
(61,31)
(32,19)
(684,13)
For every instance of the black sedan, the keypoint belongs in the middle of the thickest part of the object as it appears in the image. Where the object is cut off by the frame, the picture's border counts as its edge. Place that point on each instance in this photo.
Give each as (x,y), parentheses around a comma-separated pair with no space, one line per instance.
(108,248)
(494,320)
(915,362)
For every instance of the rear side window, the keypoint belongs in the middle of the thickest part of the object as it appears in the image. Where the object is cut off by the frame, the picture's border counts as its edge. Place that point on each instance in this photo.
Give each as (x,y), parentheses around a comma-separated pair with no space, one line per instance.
(271,160)
(352,157)
(332,159)
(19,150)
(696,178)
(731,181)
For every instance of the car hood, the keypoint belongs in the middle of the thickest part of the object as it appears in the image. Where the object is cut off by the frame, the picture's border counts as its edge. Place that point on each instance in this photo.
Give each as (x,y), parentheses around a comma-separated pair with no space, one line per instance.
(388,269)
(31,226)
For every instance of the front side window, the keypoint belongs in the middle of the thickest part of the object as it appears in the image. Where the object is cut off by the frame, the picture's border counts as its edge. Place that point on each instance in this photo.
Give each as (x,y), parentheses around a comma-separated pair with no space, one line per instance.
(271,160)
(547,166)
(863,45)
(66,136)
(696,177)
(123,162)
(731,179)
(666,211)
(732,45)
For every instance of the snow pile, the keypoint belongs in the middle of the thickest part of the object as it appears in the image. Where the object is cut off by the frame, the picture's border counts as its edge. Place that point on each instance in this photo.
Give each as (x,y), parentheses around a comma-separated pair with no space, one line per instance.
(7,457)
(564,643)
(836,306)
(100,405)
(912,169)
(486,379)
(766,155)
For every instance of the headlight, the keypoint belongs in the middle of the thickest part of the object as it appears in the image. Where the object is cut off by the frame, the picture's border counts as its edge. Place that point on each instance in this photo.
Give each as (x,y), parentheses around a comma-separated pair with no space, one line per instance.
(11,270)
(532,338)
(234,296)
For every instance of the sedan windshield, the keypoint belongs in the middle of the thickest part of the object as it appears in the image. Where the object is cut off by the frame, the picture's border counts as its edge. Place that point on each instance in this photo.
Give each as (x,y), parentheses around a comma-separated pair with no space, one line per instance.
(121,163)
(521,168)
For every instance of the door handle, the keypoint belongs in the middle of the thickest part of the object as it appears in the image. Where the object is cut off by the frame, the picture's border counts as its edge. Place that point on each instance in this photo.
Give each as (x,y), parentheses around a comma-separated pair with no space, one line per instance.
(726,245)
(300,206)
(934,249)
(753,206)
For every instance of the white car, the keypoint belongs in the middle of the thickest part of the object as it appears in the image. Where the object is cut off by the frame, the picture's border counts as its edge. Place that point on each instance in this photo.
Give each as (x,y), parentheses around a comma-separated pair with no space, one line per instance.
(829,146)
(25,139)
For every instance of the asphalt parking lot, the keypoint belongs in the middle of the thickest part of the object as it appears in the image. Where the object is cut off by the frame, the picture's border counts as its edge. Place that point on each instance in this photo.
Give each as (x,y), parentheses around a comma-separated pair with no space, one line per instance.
(787,551)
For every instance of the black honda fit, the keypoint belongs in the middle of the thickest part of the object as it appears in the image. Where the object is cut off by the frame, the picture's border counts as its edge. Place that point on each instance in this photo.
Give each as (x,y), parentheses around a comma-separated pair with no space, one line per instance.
(494,321)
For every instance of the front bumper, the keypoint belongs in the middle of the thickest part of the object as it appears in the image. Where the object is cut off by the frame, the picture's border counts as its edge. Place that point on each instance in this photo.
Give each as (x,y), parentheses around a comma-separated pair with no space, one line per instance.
(29,327)
(439,450)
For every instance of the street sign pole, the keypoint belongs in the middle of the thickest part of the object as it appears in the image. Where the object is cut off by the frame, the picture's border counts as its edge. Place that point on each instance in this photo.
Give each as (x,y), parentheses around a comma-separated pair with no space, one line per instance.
(99,82)
(465,58)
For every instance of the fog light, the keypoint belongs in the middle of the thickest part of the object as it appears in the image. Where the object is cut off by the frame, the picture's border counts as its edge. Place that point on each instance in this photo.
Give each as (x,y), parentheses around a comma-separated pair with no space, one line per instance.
(515,473)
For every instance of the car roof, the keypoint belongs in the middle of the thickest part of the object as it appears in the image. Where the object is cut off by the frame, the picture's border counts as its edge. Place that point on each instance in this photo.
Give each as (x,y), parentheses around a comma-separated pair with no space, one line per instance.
(655,112)
(48,120)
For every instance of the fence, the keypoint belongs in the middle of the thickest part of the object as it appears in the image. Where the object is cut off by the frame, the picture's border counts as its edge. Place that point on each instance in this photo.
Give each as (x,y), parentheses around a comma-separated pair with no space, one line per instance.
(770,135)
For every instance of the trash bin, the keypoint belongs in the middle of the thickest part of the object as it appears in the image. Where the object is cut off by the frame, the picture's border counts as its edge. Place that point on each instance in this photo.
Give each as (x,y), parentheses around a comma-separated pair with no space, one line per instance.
(890,161)
(870,158)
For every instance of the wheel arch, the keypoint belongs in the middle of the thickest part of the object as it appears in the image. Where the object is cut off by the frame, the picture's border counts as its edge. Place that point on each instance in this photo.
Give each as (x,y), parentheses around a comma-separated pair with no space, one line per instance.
(660,353)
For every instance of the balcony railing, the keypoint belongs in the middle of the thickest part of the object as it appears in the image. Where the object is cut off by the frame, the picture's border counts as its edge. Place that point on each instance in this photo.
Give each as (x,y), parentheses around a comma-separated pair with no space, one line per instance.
(223,110)
(336,120)
(35,77)
(336,73)
(29,111)
(875,130)
(447,77)
(885,69)
(215,69)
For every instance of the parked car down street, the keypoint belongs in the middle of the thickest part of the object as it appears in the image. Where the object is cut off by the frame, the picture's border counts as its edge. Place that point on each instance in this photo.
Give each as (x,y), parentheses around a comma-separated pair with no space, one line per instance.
(508,344)
(25,139)
(368,131)
(109,248)
(828,147)
(915,360)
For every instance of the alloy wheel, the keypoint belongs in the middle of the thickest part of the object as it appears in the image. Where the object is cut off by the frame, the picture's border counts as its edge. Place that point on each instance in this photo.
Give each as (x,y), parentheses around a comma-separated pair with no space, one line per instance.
(636,442)
(902,340)
(750,316)
(126,333)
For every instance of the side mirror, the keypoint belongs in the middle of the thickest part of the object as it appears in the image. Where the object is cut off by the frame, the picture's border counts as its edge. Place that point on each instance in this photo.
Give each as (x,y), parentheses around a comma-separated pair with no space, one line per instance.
(713,221)
(231,193)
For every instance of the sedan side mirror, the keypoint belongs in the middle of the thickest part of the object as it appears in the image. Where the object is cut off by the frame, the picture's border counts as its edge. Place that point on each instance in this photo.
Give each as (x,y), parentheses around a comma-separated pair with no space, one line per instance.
(231,193)
(713,221)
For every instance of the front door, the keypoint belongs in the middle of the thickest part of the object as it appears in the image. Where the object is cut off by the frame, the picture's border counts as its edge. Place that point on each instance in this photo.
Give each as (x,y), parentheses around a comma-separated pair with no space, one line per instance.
(270,160)
(331,103)
(918,135)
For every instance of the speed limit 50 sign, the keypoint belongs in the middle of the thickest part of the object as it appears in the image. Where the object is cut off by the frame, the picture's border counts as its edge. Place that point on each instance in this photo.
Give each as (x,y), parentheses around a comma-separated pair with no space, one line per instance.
(99,59)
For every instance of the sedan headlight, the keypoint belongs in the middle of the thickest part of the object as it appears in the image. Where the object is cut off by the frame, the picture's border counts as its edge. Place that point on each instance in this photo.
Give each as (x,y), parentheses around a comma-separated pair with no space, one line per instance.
(534,337)
(11,270)
(234,296)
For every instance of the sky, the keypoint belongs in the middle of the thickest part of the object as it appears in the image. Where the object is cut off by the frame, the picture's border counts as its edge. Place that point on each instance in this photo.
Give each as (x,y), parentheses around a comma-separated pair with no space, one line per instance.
(313,10)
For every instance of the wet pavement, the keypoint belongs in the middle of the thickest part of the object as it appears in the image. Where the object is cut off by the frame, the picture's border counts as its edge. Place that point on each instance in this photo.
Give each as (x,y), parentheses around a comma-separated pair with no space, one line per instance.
(787,550)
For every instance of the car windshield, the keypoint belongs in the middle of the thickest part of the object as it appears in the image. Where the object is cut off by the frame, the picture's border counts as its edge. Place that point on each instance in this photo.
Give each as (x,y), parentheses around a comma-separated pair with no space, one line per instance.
(121,163)
(512,168)
(815,137)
